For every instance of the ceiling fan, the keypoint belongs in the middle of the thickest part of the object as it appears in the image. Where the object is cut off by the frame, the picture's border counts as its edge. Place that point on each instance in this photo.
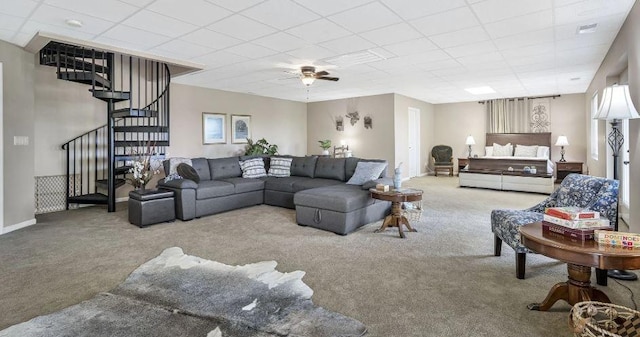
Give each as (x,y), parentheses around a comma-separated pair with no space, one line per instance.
(308,75)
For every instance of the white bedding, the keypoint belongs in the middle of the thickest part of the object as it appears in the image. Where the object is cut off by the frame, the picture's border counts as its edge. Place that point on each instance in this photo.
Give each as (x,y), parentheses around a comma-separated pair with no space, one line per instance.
(550,165)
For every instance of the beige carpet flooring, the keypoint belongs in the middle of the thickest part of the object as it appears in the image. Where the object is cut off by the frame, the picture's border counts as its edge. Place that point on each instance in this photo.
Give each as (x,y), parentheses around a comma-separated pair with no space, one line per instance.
(441,281)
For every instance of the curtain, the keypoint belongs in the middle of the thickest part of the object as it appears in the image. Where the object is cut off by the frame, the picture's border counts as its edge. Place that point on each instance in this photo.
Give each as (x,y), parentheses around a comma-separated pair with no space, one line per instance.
(508,115)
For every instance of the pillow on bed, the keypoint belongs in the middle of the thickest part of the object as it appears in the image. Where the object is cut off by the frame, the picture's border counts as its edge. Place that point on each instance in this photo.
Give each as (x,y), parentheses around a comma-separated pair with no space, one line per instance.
(543,152)
(488,151)
(526,151)
(502,150)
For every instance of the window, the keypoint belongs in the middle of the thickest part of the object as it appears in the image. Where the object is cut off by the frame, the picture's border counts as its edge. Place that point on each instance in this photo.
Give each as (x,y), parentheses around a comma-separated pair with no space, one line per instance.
(594,127)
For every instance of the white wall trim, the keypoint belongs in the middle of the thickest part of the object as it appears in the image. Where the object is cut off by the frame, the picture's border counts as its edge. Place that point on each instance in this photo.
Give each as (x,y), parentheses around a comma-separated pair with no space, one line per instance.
(122,199)
(17,226)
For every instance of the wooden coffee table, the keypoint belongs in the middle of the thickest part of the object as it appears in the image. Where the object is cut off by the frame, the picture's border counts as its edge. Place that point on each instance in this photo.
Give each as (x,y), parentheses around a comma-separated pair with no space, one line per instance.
(397,197)
(580,258)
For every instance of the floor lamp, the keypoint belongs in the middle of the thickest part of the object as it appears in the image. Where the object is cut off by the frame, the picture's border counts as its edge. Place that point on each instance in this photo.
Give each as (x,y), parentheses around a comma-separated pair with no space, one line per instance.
(617,105)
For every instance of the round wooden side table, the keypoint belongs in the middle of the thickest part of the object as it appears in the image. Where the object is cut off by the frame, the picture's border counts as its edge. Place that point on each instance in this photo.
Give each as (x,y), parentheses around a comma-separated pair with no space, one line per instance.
(397,197)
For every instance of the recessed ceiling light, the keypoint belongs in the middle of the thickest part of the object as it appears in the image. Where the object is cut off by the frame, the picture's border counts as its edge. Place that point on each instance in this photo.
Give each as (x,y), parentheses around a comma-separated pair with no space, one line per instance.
(74,23)
(480,90)
(586,29)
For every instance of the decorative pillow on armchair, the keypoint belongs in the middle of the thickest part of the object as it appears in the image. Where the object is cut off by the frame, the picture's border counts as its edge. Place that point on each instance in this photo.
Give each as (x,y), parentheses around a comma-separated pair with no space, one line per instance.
(280,167)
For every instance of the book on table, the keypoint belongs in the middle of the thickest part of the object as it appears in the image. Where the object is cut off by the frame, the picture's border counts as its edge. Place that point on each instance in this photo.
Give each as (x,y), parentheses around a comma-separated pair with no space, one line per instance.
(581,234)
(582,223)
(618,238)
(572,213)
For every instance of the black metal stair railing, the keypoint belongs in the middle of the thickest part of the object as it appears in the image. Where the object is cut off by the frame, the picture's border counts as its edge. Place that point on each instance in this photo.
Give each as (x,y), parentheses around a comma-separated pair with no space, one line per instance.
(137,95)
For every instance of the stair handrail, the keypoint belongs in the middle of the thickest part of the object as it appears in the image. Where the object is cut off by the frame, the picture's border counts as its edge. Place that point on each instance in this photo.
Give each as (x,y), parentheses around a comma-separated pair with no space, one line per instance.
(65,145)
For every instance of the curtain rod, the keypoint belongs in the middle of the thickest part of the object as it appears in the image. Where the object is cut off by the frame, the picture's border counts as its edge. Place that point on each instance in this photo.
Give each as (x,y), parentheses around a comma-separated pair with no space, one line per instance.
(522,98)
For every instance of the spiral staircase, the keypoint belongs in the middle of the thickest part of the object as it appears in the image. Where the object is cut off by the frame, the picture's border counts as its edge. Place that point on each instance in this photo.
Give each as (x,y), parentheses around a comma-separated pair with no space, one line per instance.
(136,93)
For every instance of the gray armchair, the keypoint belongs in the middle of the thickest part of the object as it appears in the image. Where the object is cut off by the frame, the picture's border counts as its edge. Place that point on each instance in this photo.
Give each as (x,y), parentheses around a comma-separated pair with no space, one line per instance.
(594,193)
(442,158)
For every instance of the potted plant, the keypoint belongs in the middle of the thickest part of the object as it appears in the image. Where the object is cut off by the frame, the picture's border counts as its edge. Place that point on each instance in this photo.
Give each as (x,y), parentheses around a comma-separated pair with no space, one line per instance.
(325,145)
(260,147)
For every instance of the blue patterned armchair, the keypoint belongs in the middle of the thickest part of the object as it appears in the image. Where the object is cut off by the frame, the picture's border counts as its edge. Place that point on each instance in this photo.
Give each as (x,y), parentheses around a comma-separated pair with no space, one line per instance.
(594,193)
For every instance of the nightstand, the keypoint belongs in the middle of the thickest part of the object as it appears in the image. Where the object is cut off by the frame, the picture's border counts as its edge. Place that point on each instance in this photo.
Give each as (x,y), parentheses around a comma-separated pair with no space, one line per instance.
(462,163)
(564,168)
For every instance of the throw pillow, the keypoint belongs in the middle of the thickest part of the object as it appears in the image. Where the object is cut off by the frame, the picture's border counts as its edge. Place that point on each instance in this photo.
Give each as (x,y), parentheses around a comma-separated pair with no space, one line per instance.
(253,168)
(502,150)
(280,167)
(488,151)
(525,151)
(366,171)
(174,162)
(543,152)
(188,172)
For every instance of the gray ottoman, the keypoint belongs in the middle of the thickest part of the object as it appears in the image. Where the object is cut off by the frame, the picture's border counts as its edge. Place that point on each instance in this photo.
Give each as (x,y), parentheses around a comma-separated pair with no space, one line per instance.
(148,207)
(339,209)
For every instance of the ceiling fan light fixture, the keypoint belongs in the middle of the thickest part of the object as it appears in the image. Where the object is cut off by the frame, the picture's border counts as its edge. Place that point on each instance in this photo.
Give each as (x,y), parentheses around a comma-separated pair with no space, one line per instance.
(307,80)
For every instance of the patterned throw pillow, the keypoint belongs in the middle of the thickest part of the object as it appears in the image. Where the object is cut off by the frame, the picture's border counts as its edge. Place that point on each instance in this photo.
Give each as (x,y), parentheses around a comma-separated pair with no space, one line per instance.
(174,162)
(502,150)
(253,168)
(526,151)
(366,171)
(280,167)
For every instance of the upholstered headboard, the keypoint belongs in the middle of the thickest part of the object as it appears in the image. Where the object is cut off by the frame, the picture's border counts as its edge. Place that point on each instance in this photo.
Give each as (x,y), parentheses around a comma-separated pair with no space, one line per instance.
(538,138)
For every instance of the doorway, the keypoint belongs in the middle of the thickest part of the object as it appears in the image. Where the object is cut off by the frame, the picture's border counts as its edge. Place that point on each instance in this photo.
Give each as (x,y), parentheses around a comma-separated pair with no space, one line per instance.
(414,142)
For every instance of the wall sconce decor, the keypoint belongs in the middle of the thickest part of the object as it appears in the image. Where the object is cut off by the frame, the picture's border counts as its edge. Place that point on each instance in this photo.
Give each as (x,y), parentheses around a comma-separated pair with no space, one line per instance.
(368,123)
(339,124)
(354,117)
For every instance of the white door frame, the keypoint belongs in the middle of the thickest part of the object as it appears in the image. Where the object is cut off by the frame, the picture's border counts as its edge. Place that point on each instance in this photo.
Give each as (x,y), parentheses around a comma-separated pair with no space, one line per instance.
(413,134)
(1,153)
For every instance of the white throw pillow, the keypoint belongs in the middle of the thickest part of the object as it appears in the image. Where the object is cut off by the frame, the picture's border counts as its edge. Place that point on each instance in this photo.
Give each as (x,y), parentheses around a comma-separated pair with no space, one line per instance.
(174,162)
(543,152)
(253,168)
(526,150)
(488,151)
(280,167)
(366,171)
(502,150)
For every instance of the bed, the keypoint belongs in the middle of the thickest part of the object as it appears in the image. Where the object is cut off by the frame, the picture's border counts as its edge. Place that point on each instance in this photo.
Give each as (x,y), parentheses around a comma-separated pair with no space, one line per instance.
(508,172)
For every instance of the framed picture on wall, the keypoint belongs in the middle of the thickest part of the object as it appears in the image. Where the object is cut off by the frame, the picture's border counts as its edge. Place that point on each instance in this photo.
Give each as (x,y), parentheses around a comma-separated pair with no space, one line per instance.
(213,128)
(240,128)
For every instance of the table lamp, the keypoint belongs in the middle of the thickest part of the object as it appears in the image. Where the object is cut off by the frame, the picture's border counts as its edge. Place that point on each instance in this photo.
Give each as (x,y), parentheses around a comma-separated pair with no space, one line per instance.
(562,142)
(470,141)
(617,105)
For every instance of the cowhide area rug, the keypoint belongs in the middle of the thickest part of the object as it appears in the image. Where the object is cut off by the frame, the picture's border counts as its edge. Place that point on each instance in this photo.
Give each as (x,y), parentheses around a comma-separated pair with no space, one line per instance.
(180,295)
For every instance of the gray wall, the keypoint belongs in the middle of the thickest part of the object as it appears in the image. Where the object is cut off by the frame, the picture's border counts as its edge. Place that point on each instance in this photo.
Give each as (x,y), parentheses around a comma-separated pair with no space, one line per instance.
(17,120)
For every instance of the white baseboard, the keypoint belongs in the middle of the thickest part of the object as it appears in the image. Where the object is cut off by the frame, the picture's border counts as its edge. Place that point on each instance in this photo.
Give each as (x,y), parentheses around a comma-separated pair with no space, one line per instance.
(123,199)
(17,226)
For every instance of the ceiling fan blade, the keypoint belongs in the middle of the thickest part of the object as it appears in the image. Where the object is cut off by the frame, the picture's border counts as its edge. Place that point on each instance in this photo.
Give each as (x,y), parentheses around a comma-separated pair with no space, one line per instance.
(335,79)
(321,73)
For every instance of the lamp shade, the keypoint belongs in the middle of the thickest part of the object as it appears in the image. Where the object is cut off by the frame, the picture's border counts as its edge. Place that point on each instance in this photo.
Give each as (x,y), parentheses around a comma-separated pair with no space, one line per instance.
(470,141)
(562,141)
(616,104)
(307,80)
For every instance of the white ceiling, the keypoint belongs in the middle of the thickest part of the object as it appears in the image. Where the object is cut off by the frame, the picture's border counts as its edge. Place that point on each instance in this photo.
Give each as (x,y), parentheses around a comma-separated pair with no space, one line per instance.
(434,49)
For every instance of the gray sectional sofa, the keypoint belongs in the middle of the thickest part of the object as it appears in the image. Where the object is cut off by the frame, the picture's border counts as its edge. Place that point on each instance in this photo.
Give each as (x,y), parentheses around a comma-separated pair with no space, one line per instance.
(317,189)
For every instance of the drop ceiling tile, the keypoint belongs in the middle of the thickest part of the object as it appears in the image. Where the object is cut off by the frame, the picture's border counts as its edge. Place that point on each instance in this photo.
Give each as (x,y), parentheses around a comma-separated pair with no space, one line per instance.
(158,23)
(281,42)
(480,59)
(409,47)
(137,36)
(219,59)
(121,44)
(110,10)
(318,31)
(311,53)
(197,12)
(411,9)
(458,38)
(6,34)
(364,18)
(528,51)
(137,3)
(21,39)
(32,27)
(450,21)
(471,49)
(444,67)
(250,50)
(11,23)
(19,8)
(348,44)
(235,5)
(535,59)
(281,14)
(391,34)
(183,49)
(56,17)
(590,9)
(211,39)
(609,24)
(521,24)
(328,7)
(525,39)
(241,27)
(496,10)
